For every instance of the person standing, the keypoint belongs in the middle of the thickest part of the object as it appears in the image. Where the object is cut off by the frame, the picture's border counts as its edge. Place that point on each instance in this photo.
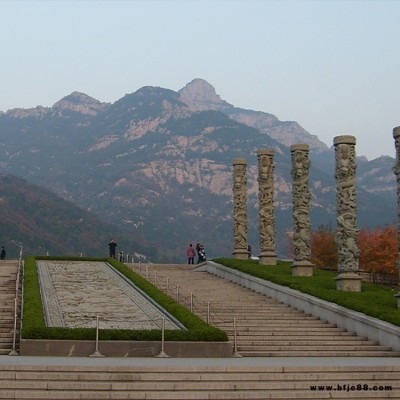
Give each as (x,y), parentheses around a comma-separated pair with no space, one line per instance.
(190,254)
(201,253)
(112,245)
(3,253)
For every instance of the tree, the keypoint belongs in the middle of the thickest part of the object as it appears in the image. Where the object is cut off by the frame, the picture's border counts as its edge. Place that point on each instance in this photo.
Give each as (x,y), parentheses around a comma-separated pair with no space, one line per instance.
(378,250)
(323,248)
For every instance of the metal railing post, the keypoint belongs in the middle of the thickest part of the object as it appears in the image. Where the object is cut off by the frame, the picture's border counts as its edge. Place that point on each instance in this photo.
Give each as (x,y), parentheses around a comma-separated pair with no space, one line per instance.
(97,352)
(235,351)
(162,353)
(14,351)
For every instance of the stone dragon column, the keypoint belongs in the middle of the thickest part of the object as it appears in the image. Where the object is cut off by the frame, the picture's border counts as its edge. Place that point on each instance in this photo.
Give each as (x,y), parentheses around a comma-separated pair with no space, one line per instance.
(348,279)
(302,265)
(396,170)
(240,209)
(267,227)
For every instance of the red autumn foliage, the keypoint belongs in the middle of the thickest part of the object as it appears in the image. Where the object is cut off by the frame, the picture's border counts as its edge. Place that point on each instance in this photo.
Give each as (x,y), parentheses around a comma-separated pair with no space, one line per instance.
(378,250)
(323,248)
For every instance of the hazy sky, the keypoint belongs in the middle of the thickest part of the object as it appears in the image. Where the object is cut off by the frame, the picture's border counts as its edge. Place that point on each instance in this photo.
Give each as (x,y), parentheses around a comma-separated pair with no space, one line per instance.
(332,66)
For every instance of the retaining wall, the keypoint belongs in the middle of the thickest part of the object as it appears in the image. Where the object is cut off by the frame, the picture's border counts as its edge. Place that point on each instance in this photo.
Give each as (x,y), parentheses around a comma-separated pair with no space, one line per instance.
(84,348)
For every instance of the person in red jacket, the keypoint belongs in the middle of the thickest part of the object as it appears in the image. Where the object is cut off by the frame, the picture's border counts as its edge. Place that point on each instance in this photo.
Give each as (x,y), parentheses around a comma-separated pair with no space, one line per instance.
(190,254)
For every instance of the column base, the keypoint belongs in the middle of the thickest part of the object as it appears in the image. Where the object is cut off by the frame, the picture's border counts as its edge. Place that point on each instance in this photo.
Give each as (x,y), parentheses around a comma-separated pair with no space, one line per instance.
(302,268)
(241,254)
(267,258)
(348,282)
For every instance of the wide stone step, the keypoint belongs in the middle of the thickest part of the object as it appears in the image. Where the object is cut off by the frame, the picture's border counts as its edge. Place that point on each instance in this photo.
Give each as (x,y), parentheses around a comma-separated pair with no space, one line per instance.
(209,373)
(195,383)
(279,327)
(7,308)
(318,353)
(185,395)
(148,386)
(5,335)
(265,304)
(304,347)
(251,307)
(8,296)
(243,314)
(303,342)
(6,319)
(8,272)
(188,385)
(5,328)
(340,335)
(292,330)
(263,317)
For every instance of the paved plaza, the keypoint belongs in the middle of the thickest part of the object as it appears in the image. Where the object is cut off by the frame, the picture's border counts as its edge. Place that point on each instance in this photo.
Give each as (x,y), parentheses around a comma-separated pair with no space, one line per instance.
(72,300)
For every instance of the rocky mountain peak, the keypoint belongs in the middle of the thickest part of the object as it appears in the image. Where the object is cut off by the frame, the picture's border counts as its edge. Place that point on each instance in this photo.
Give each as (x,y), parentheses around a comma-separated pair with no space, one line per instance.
(81,103)
(199,95)
(20,113)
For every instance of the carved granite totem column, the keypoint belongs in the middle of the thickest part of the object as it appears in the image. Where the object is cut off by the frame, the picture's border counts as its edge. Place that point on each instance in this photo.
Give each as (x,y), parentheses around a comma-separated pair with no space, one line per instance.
(240,208)
(346,202)
(396,170)
(302,265)
(267,228)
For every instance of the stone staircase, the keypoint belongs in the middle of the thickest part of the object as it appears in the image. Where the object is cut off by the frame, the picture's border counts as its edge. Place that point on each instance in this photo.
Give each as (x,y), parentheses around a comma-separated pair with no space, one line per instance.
(265,328)
(8,273)
(261,323)
(198,382)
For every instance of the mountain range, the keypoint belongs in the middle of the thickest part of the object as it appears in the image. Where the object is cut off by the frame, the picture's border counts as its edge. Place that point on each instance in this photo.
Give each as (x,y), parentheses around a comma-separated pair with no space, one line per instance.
(156,165)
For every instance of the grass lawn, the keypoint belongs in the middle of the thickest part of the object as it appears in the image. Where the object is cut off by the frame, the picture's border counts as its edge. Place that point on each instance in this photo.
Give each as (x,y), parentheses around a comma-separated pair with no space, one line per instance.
(374,300)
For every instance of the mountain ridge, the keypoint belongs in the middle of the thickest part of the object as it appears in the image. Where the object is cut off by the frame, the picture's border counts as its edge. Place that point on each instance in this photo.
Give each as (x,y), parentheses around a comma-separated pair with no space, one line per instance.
(42,223)
(160,167)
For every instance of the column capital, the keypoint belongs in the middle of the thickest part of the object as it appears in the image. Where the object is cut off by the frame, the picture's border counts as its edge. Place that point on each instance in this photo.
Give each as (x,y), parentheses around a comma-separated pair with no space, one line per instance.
(345,139)
(265,152)
(301,147)
(239,161)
